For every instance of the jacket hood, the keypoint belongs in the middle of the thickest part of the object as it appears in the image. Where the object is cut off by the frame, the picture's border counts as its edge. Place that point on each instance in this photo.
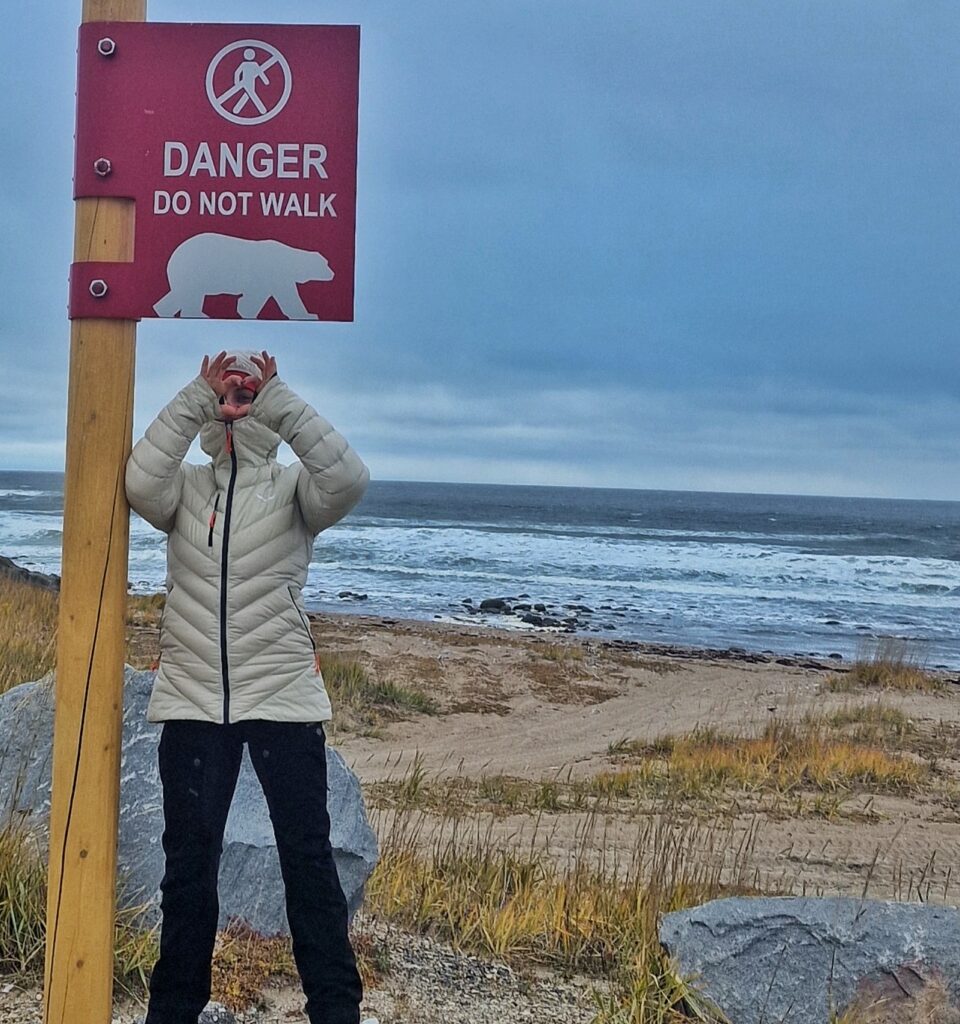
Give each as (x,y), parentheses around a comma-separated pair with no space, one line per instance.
(253,442)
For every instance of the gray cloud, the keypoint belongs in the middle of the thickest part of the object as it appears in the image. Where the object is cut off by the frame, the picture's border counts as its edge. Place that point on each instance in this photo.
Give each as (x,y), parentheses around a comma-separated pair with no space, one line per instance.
(680,244)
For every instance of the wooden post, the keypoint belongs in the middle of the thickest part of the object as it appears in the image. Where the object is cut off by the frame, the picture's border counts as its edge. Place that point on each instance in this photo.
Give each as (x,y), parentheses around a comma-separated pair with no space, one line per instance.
(78,970)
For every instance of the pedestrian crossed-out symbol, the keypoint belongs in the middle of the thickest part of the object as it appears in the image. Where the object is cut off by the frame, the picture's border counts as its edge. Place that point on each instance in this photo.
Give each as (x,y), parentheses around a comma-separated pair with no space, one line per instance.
(239,77)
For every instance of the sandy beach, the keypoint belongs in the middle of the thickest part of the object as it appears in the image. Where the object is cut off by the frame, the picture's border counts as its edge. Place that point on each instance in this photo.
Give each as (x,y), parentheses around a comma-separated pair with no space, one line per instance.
(511,703)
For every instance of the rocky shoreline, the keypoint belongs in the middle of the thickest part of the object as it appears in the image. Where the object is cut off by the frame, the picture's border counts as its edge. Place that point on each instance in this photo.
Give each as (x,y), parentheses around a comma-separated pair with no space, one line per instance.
(521,611)
(568,617)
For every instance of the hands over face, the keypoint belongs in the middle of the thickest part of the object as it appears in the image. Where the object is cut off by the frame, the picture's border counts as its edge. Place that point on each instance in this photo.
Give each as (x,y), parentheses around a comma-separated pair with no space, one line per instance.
(235,389)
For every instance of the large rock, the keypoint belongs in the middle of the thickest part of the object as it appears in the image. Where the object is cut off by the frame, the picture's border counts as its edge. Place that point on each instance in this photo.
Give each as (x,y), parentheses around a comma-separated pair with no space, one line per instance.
(11,570)
(251,886)
(794,960)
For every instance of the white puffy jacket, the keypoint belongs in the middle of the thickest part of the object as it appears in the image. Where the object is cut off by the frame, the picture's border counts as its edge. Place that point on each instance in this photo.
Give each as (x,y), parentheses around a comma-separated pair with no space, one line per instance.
(235,639)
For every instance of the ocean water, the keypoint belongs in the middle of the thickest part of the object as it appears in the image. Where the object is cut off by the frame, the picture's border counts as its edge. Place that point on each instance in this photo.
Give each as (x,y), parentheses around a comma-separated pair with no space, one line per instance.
(792,575)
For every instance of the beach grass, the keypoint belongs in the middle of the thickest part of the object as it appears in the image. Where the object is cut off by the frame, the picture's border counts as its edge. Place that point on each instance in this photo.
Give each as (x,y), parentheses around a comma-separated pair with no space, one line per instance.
(28,630)
(786,759)
(446,870)
(23,908)
(23,902)
(361,700)
(452,877)
(145,609)
(889,664)
(244,961)
(28,637)
(462,884)
(561,653)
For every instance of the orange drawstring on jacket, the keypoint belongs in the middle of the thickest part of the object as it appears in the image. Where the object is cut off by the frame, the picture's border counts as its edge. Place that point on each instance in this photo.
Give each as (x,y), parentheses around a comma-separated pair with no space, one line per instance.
(213,520)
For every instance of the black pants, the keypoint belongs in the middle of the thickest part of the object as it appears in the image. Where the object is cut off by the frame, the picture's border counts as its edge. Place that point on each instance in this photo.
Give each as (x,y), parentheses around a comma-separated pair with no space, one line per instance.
(199,765)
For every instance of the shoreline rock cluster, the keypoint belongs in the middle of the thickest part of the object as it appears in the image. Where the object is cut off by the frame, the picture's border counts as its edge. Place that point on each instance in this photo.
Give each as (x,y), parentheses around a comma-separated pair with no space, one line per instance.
(568,617)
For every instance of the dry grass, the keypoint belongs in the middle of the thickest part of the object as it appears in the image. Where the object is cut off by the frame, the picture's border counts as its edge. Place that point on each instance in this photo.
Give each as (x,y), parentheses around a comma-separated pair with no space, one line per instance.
(447,873)
(558,675)
(23,902)
(451,877)
(143,630)
(786,757)
(810,767)
(145,610)
(28,630)
(931,1005)
(881,725)
(244,961)
(658,666)
(362,702)
(888,665)
(561,653)
(23,907)
(783,756)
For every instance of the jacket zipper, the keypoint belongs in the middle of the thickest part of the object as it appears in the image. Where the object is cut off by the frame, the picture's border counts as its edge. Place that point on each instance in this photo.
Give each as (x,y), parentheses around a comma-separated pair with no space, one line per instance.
(224,548)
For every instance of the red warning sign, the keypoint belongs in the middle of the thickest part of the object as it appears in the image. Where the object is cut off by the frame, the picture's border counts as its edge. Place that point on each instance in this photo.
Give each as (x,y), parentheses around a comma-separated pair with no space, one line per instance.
(238,144)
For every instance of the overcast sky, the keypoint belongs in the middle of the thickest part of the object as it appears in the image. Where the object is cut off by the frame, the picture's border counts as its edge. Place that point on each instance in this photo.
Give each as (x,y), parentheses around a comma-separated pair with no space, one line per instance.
(705,245)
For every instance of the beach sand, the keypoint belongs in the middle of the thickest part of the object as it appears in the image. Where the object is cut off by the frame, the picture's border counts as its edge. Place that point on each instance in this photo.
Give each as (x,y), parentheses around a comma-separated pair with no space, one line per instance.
(506,708)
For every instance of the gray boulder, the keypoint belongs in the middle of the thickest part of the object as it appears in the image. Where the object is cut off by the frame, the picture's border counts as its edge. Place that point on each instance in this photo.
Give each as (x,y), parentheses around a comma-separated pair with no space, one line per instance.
(775,960)
(12,571)
(251,887)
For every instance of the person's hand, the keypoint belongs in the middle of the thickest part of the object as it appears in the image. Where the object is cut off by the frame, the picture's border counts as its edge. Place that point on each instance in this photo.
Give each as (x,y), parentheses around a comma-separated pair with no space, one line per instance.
(234,390)
(267,366)
(212,371)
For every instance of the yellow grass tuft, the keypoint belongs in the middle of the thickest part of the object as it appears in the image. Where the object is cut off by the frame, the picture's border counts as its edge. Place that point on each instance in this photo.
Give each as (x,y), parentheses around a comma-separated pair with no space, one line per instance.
(810,767)
(145,610)
(360,701)
(889,665)
(561,652)
(782,757)
(787,756)
(28,631)
(23,902)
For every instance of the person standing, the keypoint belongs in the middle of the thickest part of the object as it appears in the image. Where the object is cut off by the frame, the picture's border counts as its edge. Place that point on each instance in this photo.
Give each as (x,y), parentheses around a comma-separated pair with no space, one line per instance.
(238,666)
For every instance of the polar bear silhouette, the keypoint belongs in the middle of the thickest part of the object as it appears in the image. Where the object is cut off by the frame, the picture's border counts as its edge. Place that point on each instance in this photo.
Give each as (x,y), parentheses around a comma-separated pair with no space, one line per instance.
(255,271)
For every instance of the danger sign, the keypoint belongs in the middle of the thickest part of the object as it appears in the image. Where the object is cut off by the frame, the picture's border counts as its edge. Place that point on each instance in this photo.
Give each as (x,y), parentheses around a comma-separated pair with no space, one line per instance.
(238,145)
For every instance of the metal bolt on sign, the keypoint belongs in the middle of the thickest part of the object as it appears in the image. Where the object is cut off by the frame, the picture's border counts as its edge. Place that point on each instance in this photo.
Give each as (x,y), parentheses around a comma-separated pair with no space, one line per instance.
(102,166)
(98,288)
(106,47)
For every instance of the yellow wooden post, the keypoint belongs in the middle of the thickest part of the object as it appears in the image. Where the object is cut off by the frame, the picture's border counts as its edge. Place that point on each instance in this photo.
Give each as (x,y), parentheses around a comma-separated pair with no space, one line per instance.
(78,971)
